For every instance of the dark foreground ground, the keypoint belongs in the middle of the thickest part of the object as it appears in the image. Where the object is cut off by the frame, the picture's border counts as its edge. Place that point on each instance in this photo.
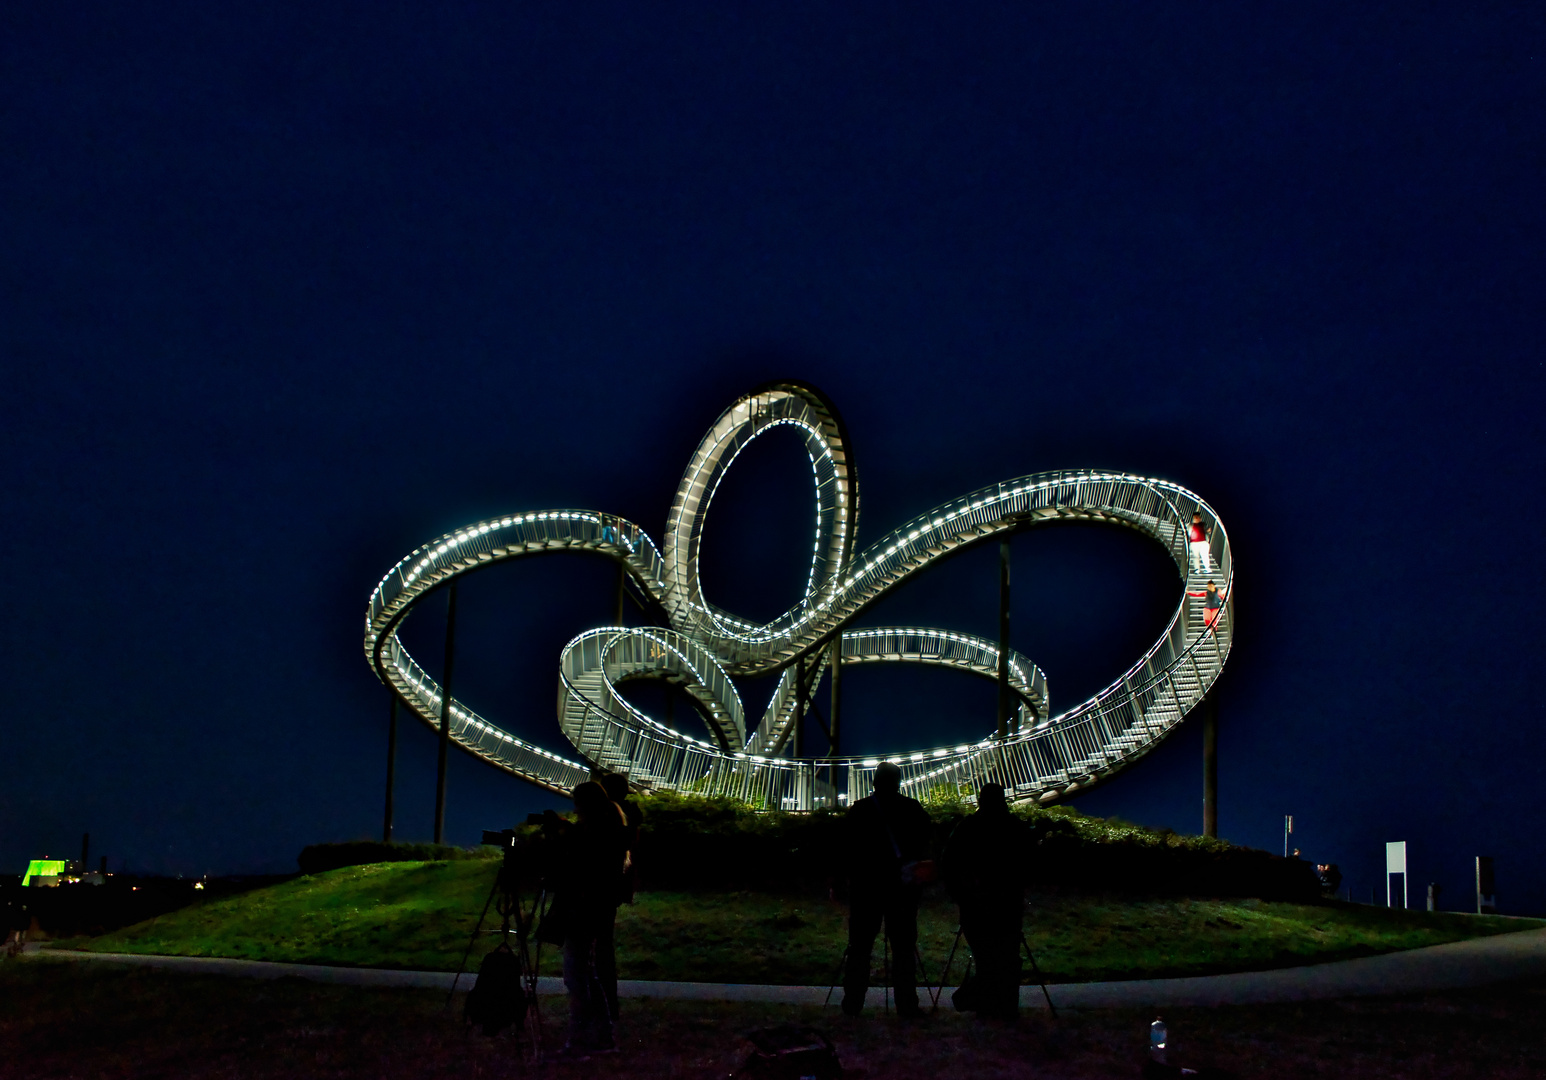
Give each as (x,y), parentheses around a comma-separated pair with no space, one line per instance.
(61,1019)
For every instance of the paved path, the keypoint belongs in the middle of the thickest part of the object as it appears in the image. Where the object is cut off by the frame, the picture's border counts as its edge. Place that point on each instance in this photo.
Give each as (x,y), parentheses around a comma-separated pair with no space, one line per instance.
(1477,962)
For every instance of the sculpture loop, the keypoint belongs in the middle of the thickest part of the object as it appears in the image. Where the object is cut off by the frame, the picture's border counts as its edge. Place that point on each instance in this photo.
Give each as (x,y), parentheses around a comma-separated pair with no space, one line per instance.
(1044,758)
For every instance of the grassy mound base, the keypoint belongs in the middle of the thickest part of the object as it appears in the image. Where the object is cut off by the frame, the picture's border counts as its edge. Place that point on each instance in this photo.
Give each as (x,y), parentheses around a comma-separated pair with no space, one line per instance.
(418,915)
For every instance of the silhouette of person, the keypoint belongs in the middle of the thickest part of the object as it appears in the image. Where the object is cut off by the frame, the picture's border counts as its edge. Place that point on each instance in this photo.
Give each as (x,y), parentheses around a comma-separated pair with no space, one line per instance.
(590,867)
(1330,876)
(984,866)
(886,835)
(616,787)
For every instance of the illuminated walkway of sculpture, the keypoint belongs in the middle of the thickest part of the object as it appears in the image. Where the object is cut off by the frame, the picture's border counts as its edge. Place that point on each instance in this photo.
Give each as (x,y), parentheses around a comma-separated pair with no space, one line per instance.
(1044,757)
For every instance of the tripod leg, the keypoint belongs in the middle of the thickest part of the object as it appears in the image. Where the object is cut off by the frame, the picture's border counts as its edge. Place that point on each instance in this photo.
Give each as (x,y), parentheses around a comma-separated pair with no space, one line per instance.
(539,908)
(842,962)
(528,926)
(536,922)
(1039,977)
(934,991)
(885,952)
(468,952)
(945,974)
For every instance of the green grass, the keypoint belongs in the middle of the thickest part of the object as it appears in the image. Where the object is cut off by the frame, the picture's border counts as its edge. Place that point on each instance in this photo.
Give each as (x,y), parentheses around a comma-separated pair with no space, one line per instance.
(419,916)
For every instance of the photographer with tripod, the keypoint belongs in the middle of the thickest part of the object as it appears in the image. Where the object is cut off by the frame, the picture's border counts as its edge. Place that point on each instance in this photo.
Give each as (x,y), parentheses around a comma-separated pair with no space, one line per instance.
(887,841)
(616,787)
(588,867)
(985,865)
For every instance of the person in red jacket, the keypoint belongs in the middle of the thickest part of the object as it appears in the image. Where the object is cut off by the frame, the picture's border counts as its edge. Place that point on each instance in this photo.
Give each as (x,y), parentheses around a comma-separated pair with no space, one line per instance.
(1199,551)
(1212,604)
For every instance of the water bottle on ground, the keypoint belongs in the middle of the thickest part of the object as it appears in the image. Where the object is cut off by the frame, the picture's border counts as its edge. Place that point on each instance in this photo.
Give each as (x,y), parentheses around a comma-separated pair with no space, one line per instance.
(1159,1035)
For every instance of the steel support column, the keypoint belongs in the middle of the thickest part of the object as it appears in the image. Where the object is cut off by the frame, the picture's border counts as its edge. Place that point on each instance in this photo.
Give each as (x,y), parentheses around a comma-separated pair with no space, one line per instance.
(391,777)
(796,746)
(1210,766)
(837,695)
(445,718)
(622,580)
(1005,693)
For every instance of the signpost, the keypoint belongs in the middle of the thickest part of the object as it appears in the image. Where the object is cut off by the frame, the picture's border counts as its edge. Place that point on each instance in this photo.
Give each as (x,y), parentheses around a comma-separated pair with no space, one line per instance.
(1486,888)
(1395,863)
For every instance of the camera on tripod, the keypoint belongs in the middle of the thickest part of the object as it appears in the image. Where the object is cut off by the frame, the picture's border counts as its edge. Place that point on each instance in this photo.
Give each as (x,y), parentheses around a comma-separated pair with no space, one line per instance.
(533,845)
(506,990)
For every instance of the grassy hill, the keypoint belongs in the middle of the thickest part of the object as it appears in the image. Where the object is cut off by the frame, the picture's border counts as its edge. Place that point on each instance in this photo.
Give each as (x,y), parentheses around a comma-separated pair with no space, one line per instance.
(418,915)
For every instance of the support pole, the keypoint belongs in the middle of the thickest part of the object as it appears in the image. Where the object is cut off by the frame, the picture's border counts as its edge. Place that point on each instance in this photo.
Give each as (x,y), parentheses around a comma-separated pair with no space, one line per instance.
(622,579)
(1005,695)
(445,718)
(837,695)
(386,824)
(1210,766)
(799,706)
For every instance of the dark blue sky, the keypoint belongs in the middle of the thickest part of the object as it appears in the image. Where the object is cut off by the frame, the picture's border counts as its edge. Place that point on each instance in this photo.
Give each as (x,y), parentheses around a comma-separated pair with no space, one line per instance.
(285,293)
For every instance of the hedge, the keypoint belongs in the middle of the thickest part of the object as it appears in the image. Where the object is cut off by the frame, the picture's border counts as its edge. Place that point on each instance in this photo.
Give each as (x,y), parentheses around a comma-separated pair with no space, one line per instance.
(696,842)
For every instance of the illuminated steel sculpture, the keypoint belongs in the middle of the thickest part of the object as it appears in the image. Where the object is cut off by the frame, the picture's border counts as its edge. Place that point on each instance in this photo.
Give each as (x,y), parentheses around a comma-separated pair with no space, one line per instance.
(1041,757)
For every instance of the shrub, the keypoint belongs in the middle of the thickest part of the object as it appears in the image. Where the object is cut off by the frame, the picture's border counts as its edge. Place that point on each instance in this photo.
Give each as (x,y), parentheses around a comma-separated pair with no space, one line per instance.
(695,841)
(691,841)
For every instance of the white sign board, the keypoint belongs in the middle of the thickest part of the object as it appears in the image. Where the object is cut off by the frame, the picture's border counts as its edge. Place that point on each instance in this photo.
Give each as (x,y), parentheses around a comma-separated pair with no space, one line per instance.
(1395,857)
(1395,863)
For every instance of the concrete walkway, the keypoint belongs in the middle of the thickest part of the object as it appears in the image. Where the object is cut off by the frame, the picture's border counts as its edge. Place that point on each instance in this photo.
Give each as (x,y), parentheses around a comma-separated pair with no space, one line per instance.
(1477,962)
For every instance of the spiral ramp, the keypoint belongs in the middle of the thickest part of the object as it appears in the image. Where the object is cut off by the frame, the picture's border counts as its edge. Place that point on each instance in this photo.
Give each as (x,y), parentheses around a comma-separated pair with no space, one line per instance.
(1044,758)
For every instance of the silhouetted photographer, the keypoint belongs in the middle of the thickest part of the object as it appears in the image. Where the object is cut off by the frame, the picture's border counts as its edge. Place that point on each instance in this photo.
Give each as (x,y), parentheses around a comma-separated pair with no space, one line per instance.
(886,841)
(587,869)
(985,866)
(616,787)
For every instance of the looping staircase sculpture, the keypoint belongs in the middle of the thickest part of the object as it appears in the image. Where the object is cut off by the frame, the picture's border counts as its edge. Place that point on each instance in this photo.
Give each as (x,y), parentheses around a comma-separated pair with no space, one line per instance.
(1044,758)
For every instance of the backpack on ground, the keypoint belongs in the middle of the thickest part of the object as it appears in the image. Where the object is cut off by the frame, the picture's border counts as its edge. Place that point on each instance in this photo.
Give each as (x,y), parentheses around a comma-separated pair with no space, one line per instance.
(497,999)
(788,1052)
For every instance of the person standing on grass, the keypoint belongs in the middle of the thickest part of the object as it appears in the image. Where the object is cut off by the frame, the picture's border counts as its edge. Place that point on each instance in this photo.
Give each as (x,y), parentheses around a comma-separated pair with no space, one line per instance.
(590,866)
(886,841)
(1330,878)
(616,787)
(1212,604)
(985,866)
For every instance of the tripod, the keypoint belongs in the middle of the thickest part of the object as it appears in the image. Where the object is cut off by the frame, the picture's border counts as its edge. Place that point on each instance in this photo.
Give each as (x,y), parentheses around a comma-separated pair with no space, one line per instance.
(1041,979)
(506,989)
(842,964)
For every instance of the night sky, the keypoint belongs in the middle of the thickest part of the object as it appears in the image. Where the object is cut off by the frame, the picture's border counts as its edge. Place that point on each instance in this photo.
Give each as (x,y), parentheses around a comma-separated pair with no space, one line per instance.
(285,293)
